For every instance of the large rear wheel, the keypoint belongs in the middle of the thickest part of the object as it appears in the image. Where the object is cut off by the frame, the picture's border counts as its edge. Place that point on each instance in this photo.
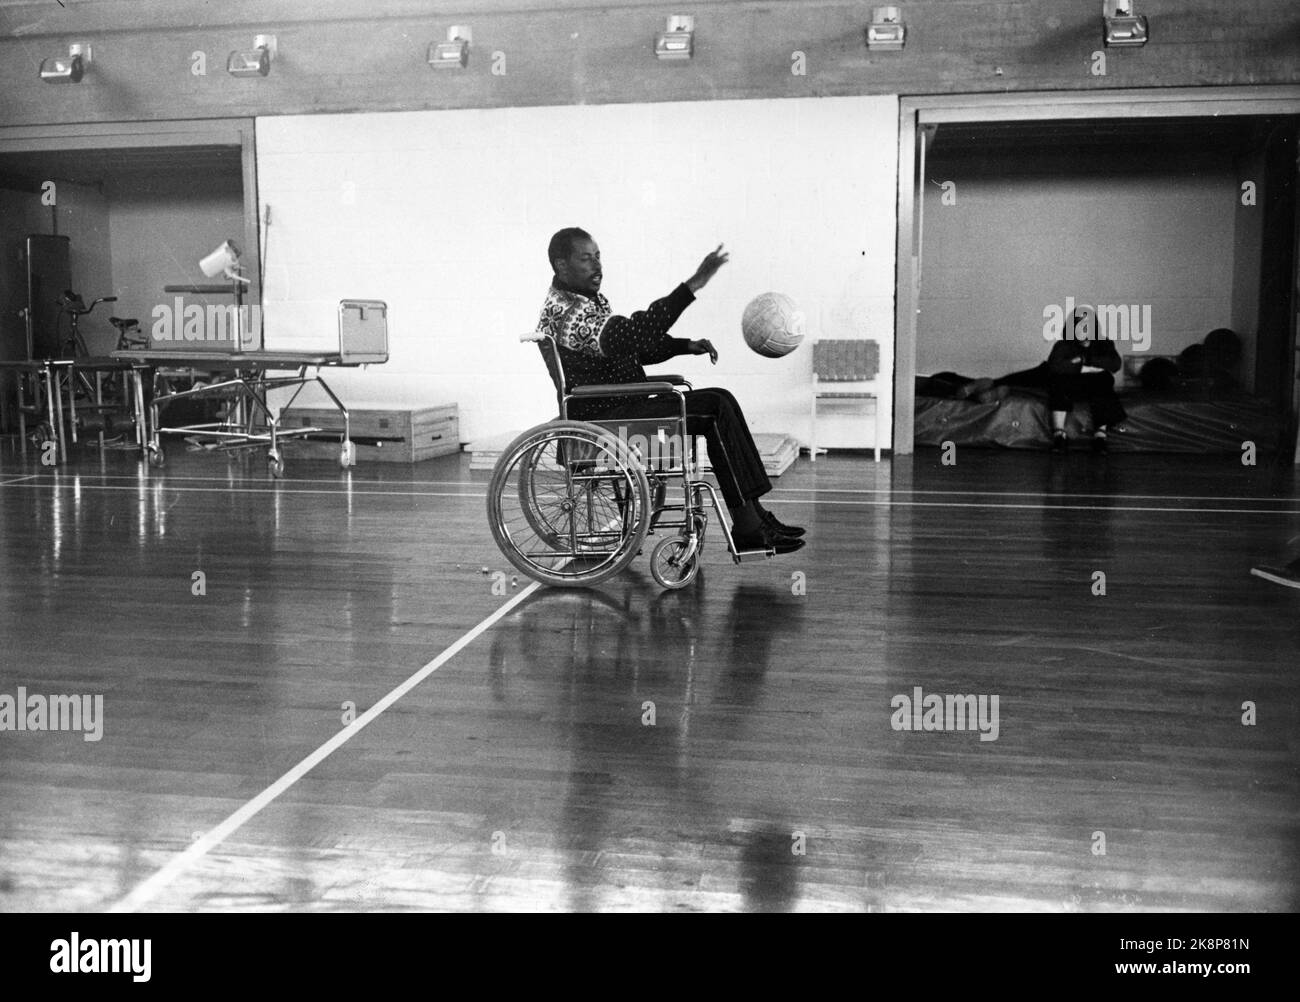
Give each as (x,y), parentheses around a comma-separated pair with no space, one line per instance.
(568,504)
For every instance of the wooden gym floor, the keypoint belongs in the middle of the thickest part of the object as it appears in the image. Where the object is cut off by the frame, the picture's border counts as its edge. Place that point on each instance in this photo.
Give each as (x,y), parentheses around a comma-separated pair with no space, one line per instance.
(521,771)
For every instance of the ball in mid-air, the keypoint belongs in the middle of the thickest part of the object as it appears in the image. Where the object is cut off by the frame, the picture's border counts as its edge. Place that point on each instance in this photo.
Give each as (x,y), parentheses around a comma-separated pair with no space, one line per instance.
(773,325)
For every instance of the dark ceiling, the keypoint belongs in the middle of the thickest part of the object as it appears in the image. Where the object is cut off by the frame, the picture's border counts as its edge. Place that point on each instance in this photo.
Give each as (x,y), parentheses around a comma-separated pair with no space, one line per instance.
(1172,136)
(212,166)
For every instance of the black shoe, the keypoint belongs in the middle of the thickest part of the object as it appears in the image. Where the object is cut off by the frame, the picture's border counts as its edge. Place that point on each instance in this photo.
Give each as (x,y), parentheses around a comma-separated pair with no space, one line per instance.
(765,540)
(777,528)
(1060,444)
(1100,445)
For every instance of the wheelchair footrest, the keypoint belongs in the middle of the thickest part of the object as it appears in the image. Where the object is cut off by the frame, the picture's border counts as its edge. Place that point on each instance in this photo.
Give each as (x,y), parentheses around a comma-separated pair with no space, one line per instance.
(749,556)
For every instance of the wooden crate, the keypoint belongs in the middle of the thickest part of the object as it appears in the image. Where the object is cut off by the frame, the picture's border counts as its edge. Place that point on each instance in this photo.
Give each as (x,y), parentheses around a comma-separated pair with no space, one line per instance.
(381,434)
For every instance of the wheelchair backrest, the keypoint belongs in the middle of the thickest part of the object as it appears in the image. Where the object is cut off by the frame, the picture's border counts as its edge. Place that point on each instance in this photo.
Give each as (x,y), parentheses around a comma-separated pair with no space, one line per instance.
(551,356)
(658,441)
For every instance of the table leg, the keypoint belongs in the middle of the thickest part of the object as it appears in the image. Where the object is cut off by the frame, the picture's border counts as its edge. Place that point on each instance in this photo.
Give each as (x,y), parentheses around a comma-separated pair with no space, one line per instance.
(54,408)
(72,402)
(22,412)
(141,416)
(99,405)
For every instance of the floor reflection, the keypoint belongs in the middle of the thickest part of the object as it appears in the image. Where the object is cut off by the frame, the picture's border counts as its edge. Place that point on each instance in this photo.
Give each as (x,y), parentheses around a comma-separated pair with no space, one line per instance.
(646,691)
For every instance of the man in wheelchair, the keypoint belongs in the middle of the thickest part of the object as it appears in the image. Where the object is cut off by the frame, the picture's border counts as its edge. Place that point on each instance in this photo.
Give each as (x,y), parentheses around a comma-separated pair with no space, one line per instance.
(597,346)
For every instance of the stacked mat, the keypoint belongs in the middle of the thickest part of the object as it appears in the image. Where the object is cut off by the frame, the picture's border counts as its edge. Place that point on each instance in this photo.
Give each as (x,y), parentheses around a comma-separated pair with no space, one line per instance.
(778,452)
(484,452)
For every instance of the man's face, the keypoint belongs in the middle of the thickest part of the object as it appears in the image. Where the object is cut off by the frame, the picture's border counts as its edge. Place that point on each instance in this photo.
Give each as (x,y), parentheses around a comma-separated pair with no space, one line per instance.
(581,269)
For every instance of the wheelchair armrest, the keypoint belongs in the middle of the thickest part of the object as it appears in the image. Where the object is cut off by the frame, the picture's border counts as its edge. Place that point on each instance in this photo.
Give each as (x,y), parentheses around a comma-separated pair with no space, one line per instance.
(674,379)
(621,389)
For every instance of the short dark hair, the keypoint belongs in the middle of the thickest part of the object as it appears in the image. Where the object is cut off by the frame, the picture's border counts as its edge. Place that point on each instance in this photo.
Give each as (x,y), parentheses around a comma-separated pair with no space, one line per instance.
(561,245)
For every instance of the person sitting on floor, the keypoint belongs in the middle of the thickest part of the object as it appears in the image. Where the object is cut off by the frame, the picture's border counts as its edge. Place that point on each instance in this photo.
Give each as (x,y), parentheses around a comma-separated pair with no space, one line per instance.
(1080,367)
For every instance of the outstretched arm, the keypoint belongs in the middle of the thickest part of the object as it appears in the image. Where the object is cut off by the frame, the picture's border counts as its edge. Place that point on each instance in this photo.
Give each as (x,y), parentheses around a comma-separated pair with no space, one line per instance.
(707,269)
(644,335)
(714,260)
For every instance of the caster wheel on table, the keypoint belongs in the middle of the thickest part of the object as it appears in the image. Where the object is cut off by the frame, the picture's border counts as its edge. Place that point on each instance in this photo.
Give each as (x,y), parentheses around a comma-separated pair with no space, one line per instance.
(275,464)
(348,457)
(47,444)
(157,458)
(667,565)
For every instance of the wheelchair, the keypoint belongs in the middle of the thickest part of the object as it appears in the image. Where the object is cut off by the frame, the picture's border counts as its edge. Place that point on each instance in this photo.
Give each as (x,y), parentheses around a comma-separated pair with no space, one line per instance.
(571,503)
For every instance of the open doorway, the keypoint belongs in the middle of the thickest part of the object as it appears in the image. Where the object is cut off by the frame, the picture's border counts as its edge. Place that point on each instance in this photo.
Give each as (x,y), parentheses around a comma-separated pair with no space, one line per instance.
(1185,223)
(134,208)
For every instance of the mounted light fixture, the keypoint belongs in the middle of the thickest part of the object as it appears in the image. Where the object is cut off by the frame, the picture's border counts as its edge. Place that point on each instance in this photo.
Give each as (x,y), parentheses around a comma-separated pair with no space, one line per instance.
(57,69)
(452,54)
(678,41)
(1122,28)
(224,261)
(886,32)
(254,62)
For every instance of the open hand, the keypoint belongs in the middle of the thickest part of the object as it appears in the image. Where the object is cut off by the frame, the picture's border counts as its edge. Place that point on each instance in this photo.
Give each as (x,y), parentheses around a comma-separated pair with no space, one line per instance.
(703,347)
(708,268)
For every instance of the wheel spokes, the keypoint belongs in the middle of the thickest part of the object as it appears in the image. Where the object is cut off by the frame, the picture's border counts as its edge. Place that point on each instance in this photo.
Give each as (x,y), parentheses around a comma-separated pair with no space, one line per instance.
(568,502)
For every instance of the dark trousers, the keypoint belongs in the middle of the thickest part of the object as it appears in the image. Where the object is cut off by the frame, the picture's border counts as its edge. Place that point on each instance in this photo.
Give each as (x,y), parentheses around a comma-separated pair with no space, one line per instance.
(1097,388)
(713,413)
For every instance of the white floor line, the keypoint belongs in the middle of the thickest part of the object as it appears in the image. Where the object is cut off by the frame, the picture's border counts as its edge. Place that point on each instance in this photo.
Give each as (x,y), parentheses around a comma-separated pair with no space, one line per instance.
(827,502)
(19,480)
(145,891)
(343,487)
(1267,575)
(1048,507)
(162,485)
(1030,494)
(261,478)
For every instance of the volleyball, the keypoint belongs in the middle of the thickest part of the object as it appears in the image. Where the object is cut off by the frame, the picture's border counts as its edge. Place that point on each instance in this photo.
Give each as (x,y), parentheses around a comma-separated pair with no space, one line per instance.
(772,325)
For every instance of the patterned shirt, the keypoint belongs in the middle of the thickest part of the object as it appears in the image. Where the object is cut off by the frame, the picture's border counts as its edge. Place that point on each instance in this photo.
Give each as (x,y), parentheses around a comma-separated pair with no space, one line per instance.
(597,346)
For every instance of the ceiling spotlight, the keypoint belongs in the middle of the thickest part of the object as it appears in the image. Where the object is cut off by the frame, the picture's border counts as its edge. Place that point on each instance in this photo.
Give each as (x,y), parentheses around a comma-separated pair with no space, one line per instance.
(886,32)
(1122,28)
(254,62)
(452,54)
(678,42)
(57,69)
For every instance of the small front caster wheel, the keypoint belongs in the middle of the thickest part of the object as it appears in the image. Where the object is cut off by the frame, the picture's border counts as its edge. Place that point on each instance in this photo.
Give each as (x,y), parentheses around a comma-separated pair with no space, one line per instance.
(668,563)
